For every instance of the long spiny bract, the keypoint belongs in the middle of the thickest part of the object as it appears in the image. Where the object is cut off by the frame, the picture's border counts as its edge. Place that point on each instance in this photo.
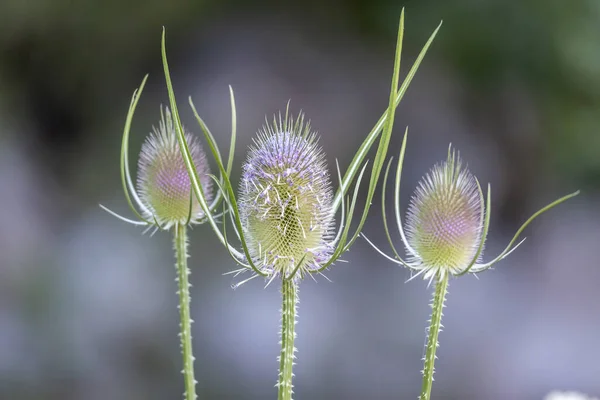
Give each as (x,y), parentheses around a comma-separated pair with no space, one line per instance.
(285,199)
(163,182)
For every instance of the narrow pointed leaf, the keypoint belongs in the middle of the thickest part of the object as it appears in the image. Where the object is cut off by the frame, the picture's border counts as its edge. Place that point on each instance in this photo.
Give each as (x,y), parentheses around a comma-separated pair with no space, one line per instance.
(372,136)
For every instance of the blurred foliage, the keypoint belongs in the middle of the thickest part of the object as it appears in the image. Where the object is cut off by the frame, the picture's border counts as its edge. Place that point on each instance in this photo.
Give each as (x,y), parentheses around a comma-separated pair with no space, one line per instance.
(551,47)
(50,49)
(63,64)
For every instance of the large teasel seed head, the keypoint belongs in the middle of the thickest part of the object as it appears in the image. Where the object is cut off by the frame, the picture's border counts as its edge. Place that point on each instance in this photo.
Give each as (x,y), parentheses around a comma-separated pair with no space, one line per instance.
(447,222)
(163,184)
(444,224)
(285,199)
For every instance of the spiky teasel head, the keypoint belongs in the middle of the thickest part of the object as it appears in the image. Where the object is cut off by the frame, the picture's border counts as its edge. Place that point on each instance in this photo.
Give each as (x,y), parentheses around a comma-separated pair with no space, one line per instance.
(286,200)
(164,185)
(447,221)
(164,195)
(445,218)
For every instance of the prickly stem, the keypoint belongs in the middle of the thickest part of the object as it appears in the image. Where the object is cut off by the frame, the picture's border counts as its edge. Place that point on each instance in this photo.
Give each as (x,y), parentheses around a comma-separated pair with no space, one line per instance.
(289,292)
(180,243)
(437,307)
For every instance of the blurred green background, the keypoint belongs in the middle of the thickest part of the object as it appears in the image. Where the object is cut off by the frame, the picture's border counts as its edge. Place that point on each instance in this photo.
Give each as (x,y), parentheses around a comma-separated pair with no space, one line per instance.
(88,304)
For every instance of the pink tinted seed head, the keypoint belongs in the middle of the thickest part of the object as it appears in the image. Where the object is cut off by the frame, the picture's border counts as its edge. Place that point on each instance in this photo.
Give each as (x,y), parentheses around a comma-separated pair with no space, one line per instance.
(163,184)
(444,223)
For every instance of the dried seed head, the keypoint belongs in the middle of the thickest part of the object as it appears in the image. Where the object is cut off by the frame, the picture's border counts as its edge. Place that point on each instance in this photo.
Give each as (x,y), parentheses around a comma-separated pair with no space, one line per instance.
(444,224)
(164,185)
(285,199)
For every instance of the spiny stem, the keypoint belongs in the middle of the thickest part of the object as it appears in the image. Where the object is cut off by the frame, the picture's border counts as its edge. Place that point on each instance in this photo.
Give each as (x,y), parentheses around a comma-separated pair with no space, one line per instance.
(289,293)
(437,306)
(180,242)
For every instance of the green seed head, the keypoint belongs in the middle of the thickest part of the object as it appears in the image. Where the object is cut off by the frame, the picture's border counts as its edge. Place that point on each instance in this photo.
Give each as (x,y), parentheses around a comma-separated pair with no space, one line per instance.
(444,224)
(164,185)
(285,199)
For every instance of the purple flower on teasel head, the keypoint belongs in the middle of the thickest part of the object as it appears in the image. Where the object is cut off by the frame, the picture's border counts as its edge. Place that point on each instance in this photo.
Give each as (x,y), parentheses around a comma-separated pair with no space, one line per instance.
(286,200)
(447,221)
(164,185)
(445,218)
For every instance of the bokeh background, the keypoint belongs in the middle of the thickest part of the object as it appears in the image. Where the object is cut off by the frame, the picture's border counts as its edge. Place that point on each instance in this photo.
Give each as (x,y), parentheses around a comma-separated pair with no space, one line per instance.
(87,303)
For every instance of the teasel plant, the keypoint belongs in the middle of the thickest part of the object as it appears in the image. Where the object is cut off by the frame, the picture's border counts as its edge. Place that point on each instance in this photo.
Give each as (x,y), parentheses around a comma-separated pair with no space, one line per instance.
(284,215)
(446,227)
(163,200)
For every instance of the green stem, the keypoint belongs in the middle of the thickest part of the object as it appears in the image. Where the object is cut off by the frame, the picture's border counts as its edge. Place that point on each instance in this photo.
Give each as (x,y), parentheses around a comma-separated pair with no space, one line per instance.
(289,293)
(180,242)
(439,297)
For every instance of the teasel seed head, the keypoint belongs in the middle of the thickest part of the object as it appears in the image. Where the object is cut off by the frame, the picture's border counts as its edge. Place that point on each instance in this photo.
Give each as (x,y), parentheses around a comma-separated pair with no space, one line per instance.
(286,199)
(164,186)
(447,222)
(444,223)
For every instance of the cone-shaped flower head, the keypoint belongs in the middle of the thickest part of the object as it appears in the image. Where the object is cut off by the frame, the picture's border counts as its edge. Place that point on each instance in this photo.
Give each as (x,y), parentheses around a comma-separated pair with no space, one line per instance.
(164,185)
(445,220)
(285,199)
